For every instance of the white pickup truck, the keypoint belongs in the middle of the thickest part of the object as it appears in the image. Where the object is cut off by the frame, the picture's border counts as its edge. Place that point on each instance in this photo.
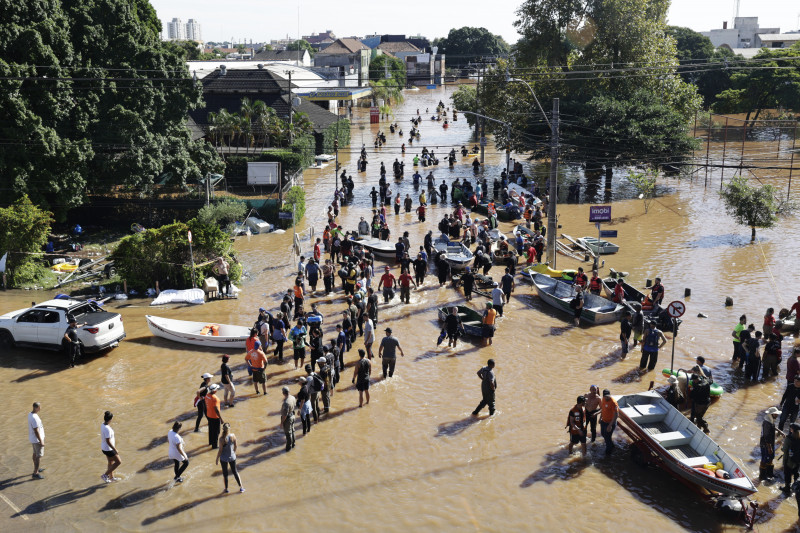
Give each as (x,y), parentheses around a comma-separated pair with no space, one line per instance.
(44,325)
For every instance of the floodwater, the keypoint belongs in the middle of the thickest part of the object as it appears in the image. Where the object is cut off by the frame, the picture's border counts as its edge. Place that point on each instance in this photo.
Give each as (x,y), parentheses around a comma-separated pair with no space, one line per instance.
(413,459)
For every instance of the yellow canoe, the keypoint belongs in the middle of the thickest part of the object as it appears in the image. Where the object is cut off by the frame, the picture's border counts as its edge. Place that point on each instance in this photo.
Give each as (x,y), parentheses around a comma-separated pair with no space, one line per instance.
(64,267)
(542,268)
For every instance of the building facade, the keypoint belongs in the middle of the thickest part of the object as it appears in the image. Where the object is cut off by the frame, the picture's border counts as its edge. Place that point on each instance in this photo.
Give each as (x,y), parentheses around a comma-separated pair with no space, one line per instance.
(744,34)
(193,31)
(176,30)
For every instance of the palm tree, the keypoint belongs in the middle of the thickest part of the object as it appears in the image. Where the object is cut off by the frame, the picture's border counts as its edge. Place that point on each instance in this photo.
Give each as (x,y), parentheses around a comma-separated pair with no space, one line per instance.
(246,113)
(263,117)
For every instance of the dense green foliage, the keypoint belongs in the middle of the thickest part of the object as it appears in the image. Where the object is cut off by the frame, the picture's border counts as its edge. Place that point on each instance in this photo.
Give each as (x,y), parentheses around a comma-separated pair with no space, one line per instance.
(468,43)
(302,44)
(465,99)
(339,130)
(751,206)
(163,254)
(294,200)
(385,64)
(255,127)
(91,100)
(23,232)
(700,62)
(222,213)
(775,84)
(615,71)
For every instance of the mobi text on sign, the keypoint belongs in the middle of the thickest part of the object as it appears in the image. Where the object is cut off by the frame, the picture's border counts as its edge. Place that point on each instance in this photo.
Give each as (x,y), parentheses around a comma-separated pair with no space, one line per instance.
(599,213)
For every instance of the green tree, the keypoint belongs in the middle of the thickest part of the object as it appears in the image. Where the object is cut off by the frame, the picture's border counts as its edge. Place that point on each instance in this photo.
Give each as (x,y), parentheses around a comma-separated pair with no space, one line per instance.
(295,201)
(91,101)
(464,99)
(645,184)
(755,207)
(695,52)
(222,213)
(468,43)
(23,232)
(189,49)
(266,48)
(775,83)
(385,64)
(301,44)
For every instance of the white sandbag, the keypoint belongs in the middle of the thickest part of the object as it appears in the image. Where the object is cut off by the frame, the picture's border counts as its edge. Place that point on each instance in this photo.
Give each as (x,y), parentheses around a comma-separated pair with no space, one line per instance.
(170,296)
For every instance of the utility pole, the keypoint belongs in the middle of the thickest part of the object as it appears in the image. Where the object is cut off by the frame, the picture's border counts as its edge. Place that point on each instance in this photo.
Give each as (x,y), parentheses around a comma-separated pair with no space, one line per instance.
(483,122)
(552,223)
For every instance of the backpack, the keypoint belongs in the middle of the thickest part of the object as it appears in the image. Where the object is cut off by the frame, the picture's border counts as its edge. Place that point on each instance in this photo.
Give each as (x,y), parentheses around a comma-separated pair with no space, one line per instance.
(701,391)
(317,384)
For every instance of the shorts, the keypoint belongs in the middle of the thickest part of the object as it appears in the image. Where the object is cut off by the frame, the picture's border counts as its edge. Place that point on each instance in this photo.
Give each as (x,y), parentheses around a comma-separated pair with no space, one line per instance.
(577,313)
(488,331)
(109,453)
(637,335)
(259,376)
(577,439)
(299,353)
(362,385)
(38,449)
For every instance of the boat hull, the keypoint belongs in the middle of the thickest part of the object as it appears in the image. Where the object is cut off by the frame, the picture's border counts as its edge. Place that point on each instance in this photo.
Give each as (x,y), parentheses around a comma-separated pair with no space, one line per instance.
(467,315)
(558,294)
(189,333)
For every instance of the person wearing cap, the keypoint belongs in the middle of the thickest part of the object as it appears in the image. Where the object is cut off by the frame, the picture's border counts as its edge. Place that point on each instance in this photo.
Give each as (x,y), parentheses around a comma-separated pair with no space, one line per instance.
(362,372)
(576,423)
(790,402)
(213,415)
(673,395)
(226,378)
(388,352)
(326,374)
(767,443)
(200,400)
(262,326)
(72,343)
(487,325)
(609,411)
(650,346)
(287,417)
(592,407)
(498,299)
(488,388)
(388,283)
(791,457)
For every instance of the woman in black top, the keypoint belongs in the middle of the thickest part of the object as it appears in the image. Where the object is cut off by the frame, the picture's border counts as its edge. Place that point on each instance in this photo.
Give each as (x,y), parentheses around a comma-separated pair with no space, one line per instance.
(227,381)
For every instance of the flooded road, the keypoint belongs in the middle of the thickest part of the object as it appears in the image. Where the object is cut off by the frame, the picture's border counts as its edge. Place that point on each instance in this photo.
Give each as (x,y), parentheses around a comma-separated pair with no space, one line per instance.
(413,459)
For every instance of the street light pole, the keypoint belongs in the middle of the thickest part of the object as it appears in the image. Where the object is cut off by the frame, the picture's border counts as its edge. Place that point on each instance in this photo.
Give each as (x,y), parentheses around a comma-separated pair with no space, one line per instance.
(552,222)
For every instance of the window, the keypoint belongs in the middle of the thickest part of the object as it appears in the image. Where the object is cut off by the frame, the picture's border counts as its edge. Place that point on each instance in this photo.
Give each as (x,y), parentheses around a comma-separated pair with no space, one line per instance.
(49,317)
(30,316)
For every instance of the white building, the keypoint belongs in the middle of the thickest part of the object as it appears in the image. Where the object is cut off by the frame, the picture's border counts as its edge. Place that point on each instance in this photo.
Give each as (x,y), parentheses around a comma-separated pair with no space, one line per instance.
(176,30)
(193,31)
(744,34)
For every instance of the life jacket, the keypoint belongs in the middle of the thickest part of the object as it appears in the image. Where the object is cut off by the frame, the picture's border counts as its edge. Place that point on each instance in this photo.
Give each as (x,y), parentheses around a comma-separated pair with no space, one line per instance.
(594,283)
(580,279)
(647,304)
(651,340)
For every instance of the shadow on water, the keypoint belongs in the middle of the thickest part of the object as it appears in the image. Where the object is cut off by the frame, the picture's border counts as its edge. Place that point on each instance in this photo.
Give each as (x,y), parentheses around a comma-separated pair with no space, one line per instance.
(631,376)
(133,497)
(559,465)
(163,464)
(13,481)
(660,491)
(179,509)
(456,427)
(607,360)
(57,500)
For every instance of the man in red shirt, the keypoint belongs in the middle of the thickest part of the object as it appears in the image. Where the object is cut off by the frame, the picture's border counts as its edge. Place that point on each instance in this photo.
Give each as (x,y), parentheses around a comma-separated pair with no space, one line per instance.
(405,286)
(317,250)
(580,278)
(531,254)
(213,415)
(657,292)
(388,282)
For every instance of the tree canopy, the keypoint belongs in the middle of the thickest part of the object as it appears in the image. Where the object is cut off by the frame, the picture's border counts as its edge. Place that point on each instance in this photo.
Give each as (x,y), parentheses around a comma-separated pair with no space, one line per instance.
(301,44)
(468,43)
(388,89)
(699,62)
(23,232)
(755,207)
(92,100)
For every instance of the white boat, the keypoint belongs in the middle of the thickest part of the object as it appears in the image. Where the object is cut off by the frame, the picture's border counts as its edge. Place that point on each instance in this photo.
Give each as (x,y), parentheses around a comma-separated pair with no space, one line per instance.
(379,248)
(514,191)
(257,225)
(596,310)
(664,436)
(324,158)
(599,246)
(455,253)
(199,333)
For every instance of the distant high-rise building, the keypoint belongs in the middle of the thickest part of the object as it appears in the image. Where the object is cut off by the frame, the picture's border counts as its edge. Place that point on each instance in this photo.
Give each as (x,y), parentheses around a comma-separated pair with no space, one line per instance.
(193,31)
(176,30)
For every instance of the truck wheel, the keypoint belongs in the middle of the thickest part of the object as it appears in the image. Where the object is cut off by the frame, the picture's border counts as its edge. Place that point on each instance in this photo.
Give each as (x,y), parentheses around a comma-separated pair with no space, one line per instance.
(110,271)
(6,339)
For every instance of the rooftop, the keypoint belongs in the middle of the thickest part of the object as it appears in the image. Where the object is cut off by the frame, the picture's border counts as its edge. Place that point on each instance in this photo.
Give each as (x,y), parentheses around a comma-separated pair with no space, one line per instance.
(345,46)
(397,47)
(279,55)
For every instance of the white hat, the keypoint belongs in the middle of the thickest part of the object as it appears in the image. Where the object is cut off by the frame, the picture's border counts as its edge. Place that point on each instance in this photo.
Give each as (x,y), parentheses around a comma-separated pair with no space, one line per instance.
(773,411)
(213,387)
(672,379)
(321,360)
(207,375)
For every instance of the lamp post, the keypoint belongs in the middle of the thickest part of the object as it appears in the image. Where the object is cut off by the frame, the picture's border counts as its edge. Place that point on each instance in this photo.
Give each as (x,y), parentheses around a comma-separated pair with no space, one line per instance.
(552,223)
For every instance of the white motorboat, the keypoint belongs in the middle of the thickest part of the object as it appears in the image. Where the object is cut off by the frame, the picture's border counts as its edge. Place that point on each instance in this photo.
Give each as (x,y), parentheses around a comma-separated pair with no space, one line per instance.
(596,310)
(257,225)
(455,253)
(209,334)
(379,248)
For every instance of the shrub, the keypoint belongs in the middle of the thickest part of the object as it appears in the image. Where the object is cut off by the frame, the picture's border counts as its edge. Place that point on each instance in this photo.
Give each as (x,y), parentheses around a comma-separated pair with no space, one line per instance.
(23,232)
(222,213)
(295,199)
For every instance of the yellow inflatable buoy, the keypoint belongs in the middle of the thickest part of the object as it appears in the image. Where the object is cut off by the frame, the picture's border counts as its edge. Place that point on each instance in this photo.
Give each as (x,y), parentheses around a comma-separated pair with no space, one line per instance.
(711,467)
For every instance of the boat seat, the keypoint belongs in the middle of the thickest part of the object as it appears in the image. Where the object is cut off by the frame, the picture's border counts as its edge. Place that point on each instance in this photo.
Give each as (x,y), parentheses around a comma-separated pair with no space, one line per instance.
(700,460)
(472,323)
(673,438)
(645,414)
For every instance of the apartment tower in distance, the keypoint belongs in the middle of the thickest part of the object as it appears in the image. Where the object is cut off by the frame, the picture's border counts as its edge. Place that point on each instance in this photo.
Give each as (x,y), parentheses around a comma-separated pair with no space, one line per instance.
(176,30)
(193,31)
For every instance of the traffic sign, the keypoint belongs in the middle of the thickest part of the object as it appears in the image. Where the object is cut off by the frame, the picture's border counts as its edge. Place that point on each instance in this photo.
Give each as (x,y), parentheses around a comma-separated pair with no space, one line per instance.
(285,214)
(608,234)
(676,309)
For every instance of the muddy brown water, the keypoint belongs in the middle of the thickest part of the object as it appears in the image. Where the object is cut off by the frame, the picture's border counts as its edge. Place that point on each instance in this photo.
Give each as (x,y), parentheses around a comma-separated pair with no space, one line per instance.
(413,459)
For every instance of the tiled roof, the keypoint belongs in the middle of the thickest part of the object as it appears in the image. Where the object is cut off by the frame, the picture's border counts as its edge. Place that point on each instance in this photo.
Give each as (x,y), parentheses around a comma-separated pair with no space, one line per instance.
(244,81)
(345,46)
(395,47)
(277,55)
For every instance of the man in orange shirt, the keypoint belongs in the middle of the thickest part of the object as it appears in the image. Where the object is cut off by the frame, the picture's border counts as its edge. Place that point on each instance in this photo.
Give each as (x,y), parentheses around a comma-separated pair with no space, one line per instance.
(213,414)
(489,317)
(258,364)
(609,411)
(298,297)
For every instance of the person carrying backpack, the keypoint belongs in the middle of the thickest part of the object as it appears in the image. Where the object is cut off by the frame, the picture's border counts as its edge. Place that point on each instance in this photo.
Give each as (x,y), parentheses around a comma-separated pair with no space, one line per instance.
(701,398)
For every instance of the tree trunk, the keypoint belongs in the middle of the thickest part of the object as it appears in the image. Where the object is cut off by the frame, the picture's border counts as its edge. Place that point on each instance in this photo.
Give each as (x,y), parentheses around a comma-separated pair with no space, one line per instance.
(752,234)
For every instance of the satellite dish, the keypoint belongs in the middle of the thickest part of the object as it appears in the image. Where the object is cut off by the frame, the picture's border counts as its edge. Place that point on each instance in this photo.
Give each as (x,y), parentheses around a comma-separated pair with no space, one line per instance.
(295,102)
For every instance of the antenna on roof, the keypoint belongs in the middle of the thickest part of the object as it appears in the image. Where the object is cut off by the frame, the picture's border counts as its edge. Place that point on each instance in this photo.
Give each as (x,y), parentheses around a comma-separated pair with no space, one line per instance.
(735,11)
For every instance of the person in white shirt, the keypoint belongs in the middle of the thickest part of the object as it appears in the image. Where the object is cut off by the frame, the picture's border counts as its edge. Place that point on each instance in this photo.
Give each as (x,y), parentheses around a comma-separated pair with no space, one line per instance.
(498,299)
(177,452)
(36,438)
(109,448)
(369,336)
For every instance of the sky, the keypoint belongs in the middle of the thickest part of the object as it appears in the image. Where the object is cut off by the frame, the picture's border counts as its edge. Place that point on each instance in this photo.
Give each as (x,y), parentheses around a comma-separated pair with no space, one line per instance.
(265,20)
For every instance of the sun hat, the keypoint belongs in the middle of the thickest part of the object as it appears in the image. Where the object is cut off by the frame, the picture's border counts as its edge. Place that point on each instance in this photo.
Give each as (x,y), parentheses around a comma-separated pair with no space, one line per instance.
(207,375)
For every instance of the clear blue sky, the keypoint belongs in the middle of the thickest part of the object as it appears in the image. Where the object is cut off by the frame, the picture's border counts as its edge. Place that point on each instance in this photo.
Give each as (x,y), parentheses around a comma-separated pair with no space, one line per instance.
(262,21)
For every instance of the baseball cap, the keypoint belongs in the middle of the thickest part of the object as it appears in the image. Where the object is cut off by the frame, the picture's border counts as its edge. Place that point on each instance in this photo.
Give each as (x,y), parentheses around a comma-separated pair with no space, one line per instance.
(606,392)
(388,330)
(207,375)
(213,387)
